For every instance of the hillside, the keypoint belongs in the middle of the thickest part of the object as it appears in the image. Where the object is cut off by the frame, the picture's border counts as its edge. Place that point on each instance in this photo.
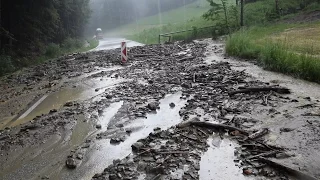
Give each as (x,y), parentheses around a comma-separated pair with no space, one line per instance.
(183,17)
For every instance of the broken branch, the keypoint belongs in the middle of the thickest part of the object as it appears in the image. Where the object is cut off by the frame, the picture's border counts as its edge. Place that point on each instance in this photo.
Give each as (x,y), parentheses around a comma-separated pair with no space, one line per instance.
(211,125)
(261,89)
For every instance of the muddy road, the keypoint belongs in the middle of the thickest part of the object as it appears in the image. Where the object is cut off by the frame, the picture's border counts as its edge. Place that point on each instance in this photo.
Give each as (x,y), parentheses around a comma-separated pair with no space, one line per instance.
(174,111)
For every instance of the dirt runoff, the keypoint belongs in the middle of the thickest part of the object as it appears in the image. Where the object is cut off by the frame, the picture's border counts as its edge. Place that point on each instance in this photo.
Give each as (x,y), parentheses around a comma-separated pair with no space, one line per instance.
(175,111)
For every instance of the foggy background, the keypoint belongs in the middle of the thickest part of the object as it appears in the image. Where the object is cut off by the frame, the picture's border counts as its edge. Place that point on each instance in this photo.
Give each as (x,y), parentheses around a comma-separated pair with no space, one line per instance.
(110,14)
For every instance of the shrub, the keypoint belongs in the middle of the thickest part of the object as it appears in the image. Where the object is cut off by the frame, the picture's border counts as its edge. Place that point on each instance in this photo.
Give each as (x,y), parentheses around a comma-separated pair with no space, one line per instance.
(52,50)
(6,65)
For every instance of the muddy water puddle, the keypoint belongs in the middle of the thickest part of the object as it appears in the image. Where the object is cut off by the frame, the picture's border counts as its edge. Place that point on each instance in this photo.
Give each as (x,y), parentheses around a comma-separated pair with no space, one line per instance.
(83,91)
(218,162)
(103,153)
(46,159)
(108,114)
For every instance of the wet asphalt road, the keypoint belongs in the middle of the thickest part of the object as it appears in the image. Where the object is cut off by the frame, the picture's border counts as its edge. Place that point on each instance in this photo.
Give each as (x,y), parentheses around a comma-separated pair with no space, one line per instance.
(113,43)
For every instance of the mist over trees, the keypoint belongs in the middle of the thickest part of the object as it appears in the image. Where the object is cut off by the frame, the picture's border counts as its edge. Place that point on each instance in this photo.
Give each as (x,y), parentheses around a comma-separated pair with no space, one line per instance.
(108,14)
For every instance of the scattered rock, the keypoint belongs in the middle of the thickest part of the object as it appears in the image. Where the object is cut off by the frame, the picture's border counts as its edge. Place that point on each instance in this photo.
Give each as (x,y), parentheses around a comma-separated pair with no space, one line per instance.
(286,129)
(71,163)
(172,105)
(98,126)
(153,106)
(247,171)
(137,146)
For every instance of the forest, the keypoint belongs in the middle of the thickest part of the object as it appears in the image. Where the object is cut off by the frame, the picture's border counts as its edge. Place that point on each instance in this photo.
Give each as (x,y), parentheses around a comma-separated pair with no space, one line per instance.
(28,27)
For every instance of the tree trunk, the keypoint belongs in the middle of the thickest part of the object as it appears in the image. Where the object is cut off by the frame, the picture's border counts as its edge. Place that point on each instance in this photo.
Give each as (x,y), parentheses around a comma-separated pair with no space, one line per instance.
(225,15)
(277,7)
(0,27)
(241,13)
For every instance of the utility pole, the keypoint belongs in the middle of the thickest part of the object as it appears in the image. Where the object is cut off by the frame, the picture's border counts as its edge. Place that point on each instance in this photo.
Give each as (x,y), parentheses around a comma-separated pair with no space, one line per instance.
(241,13)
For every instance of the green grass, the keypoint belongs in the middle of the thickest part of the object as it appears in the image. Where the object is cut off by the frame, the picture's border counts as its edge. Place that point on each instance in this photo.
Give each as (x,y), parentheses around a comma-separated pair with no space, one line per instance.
(288,48)
(147,30)
(69,46)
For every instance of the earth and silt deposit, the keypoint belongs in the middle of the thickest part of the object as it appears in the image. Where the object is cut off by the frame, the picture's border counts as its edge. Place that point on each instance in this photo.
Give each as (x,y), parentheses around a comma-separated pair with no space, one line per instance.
(174,111)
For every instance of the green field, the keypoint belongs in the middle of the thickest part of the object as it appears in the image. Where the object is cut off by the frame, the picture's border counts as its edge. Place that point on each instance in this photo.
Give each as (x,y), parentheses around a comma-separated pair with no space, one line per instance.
(288,48)
(146,30)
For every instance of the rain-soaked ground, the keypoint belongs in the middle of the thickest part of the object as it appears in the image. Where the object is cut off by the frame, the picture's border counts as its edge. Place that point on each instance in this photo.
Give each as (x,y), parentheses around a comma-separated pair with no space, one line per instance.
(171,113)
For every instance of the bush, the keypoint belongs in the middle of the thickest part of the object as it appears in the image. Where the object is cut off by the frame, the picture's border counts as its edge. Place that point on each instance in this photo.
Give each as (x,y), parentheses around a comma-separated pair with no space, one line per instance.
(52,50)
(71,44)
(6,65)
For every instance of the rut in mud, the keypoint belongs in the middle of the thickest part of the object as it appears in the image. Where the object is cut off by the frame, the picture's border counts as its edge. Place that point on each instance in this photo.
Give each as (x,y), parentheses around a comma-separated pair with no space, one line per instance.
(168,114)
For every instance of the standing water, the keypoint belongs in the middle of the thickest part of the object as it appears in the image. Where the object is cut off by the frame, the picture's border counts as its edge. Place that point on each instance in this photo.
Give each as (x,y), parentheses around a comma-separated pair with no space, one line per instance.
(103,153)
(218,162)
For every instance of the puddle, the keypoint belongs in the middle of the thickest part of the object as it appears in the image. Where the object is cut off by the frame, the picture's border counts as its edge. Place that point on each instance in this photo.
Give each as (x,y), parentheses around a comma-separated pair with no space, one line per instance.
(218,162)
(46,159)
(104,153)
(108,114)
(84,91)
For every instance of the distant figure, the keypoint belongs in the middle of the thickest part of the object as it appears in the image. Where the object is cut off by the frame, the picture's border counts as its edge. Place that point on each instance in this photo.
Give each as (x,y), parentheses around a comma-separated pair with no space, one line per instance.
(99,33)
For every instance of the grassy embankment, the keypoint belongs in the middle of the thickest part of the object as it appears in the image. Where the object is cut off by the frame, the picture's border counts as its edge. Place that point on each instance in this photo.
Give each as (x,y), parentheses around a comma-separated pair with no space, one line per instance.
(147,30)
(291,48)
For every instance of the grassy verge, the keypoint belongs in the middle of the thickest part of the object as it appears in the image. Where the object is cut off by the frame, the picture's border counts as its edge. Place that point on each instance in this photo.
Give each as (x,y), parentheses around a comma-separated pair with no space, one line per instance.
(9,64)
(288,48)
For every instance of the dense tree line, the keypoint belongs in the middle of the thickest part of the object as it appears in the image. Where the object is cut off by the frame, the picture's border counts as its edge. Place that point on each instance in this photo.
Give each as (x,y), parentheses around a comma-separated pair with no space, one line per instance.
(109,14)
(27,26)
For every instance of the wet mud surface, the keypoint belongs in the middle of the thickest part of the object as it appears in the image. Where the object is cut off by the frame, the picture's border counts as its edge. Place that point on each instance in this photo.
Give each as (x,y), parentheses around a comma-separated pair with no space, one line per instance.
(174,111)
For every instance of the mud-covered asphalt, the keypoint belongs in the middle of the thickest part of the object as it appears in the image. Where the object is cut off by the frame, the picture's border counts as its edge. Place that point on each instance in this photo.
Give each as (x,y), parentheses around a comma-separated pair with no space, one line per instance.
(167,114)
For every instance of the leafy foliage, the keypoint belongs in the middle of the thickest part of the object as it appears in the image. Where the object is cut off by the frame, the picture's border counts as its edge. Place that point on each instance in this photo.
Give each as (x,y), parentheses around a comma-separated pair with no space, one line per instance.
(224,15)
(29,29)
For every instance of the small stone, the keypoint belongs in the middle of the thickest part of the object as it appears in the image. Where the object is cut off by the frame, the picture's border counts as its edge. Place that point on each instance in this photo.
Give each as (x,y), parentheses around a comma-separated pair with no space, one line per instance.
(113,177)
(308,98)
(115,140)
(119,175)
(108,96)
(153,106)
(68,104)
(235,133)
(137,146)
(247,171)
(96,90)
(86,145)
(128,131)
(53,111)
(98,126)
(119,125)
(71,163)
(286,129)
(79,156)
(186,85)
(172,105)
